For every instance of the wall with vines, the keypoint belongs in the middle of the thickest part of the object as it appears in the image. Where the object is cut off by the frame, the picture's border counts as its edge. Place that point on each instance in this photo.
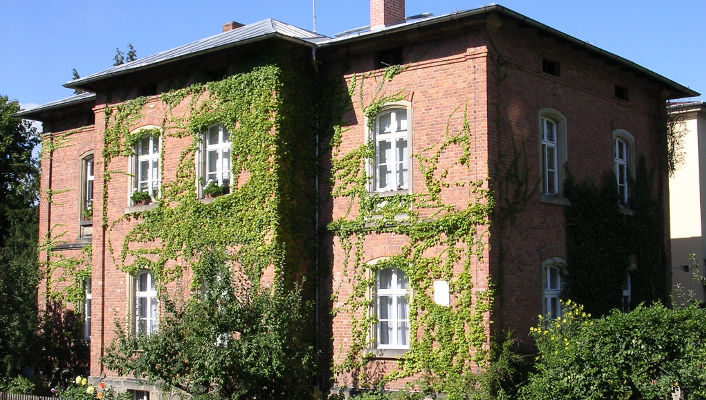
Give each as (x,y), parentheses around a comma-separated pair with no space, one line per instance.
(436,232)
(265,224)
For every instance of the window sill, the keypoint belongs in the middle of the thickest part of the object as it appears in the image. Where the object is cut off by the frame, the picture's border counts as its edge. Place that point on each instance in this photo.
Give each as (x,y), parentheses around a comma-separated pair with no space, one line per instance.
(554,199)
(137,209)
(387,354)
(389,193)
(627,210)
(206,200)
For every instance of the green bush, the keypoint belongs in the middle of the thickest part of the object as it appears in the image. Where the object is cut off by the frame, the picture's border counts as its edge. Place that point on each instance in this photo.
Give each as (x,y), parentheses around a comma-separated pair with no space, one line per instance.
(641,354)
(80,389)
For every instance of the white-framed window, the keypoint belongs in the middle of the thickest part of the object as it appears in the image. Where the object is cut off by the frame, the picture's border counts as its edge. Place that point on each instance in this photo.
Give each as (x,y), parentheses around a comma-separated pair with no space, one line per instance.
(140,395)
(87,309)
(89,177)
(627,293)
(623,143)
(392,308)
(552,150)
(145,303)
(215,157)
(552,284)
(391,137)
(146,167)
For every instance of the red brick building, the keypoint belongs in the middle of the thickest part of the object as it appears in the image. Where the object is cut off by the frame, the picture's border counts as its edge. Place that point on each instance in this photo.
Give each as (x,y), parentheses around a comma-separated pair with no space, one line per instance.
(442,114)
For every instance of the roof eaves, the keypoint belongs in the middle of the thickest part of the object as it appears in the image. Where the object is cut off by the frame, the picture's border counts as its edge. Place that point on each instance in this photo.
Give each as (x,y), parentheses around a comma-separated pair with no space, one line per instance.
(365,35)
(126,69)
(54,105)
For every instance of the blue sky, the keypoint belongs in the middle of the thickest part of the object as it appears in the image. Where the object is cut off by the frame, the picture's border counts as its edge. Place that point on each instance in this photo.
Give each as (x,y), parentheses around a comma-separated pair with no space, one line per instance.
(42,40)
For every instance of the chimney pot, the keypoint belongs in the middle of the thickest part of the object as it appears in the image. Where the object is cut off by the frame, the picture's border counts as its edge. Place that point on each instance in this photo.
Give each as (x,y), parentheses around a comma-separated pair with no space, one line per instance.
(232,25)
(386,12)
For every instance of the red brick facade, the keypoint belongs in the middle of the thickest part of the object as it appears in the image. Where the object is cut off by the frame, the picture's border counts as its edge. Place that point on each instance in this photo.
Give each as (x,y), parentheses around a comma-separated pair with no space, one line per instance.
(447,70)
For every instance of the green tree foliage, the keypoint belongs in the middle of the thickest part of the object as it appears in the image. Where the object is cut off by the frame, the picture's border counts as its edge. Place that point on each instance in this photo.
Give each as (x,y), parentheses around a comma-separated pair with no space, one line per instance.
(18,240)
(122,58)
(76,76)
(229,340)
(638,355)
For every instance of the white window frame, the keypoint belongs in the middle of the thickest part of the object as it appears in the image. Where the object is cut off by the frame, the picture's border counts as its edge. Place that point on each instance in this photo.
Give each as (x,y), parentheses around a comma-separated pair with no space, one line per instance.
(152,181)
(140,395)
(552,285)
(88,296)
(88,180)
(627,293)
(148,314)
(399,290)
(393,134)
(221,174)
(552,151)
(623,163)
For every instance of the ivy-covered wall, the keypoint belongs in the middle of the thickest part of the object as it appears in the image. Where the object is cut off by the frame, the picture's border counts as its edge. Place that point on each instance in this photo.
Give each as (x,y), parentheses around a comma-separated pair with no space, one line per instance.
(265,224)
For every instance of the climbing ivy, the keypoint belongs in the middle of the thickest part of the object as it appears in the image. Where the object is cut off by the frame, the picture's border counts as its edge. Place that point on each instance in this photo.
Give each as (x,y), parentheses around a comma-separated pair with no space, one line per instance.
(445,242)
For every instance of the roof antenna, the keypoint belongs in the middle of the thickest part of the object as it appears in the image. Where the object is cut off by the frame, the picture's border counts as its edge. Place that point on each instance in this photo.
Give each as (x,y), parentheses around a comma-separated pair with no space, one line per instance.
(314,10)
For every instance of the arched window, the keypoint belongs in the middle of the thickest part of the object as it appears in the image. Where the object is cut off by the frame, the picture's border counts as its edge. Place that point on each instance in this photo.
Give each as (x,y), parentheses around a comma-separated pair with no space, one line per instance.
(392,307)
(552,150)
(391,171)
(623,143)
(146,164)
(145,303)
(215,157)
(551,290)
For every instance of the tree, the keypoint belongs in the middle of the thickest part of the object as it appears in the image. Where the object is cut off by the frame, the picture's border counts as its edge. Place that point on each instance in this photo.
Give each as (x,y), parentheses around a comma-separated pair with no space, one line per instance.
(18,240)
(121,58)
(76,76)
(229,341)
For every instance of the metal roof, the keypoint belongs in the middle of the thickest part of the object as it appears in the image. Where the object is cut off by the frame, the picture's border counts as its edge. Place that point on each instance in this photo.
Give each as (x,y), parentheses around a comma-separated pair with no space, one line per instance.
(270,28)
(359,35)
(85,97)
(246,34)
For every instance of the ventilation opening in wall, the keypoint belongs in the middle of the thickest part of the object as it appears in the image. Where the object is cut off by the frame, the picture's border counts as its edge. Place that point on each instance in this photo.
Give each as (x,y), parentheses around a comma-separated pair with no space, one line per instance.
(550,67)
(147,90)
(621,93)
(385,58)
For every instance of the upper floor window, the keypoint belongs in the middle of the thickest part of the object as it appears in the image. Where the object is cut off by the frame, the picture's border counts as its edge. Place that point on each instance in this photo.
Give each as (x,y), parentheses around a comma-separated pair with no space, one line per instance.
(145,303)
(622,159)
(86,197)
(392,307)
(552,291)
(215,158)
(391,138)
(552,150)
(87,310)
(147,165)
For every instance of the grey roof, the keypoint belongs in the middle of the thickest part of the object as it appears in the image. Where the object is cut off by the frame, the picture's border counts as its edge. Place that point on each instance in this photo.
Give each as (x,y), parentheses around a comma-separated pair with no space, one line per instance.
(85,97)
(246,34)
(363,34)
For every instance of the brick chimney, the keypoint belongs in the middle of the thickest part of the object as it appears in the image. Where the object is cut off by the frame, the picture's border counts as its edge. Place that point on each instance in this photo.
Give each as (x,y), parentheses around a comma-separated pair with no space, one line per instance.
(385,13)
(229,26)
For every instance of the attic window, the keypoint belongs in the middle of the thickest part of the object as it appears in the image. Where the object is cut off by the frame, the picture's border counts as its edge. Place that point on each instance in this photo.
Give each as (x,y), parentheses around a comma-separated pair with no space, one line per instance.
(550,67)
(621,93)
(147,90)
(385,58)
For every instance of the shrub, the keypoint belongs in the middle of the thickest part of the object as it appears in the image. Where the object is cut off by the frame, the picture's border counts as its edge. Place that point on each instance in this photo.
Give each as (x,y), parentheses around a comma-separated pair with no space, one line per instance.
(641,354)
(138,196)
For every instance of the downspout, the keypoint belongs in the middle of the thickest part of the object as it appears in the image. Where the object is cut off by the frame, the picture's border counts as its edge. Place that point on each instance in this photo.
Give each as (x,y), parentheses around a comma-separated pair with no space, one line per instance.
(49,194)
(316,234)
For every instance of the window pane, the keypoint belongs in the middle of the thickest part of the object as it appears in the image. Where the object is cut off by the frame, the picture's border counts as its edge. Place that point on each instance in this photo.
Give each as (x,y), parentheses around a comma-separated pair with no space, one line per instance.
(212,135)
(211,161)
(385,123)
(144,147)
(401,145)
(402,307)
(402,333)
(141,307)
(401,280)
(551,158)
(385,308)
(385,279)
(401,116)
(549,131)
(144,170)
(226,135)
(384,333)
(384,151)
(142,282)
(555,307)
(551,182)
(155,145)
(89,193)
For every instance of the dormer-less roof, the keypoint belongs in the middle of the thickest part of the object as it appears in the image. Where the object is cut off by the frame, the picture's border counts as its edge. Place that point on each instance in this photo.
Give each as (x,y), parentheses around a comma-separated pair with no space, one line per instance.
(258,31)
(37,112)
